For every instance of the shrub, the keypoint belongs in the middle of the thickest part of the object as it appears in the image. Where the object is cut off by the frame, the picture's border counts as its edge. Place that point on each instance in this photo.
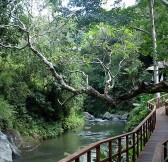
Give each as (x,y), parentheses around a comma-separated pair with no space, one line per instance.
(7,114)
(73,121)
(138,113)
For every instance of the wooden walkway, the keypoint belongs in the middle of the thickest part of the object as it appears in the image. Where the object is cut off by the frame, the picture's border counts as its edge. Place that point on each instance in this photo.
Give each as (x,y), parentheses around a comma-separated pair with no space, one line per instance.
(159,134)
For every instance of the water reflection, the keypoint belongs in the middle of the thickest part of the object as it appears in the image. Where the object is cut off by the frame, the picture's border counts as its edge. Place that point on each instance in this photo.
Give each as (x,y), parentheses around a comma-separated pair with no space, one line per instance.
(55,149)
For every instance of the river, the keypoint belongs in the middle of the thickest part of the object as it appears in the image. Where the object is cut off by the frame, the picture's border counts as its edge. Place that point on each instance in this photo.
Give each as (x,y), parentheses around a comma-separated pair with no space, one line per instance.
(55,149)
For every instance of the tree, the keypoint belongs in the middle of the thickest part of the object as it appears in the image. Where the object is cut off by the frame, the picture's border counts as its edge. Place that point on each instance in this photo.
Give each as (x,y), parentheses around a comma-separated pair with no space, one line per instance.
(164,2)
(30,35)
(153,34)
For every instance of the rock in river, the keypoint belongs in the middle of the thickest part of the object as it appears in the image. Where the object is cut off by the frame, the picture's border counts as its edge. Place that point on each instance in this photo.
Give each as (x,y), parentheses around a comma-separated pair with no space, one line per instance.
(5,147)
(88,116)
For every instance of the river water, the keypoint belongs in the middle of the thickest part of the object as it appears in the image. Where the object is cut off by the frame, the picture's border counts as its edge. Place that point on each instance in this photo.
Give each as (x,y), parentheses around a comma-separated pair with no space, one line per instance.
(55,149)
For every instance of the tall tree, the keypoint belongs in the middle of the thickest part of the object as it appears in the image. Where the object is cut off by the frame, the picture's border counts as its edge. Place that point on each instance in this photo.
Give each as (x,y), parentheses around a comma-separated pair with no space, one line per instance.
(31,34)
(153,34)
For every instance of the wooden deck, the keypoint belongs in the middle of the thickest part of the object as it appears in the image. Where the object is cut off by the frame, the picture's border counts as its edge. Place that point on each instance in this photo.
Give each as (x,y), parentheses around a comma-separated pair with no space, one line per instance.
(160,133)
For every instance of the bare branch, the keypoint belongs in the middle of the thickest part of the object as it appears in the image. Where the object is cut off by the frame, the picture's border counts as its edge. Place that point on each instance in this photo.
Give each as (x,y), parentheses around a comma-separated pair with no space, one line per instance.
(75,91)
(4,5)
(13,47)
(83,73)
(142,30)
(20,22)
(48,31)
(65,101)
(120,66)
(145,87)
(13,25)
(165,2)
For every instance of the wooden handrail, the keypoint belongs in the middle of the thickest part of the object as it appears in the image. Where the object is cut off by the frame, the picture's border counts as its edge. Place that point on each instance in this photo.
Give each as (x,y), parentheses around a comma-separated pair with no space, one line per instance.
(161,151)
(165,150)
(166,107)
(125,147)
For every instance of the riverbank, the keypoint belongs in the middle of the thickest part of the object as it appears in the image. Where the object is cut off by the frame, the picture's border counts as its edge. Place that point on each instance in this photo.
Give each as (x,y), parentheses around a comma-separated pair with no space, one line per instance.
(25,144)
(28,136)
(55,149)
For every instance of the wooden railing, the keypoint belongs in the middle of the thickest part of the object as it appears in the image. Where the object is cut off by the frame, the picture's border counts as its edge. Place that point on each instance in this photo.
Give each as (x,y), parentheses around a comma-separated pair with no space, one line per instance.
(165,151)
(125,147)
(161,151)
(166,107)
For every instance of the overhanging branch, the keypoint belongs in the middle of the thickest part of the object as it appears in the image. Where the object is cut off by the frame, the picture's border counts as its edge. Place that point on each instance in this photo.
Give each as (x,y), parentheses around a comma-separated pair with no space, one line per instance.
(142,88)
(165,2)
(145,87)
(142,30)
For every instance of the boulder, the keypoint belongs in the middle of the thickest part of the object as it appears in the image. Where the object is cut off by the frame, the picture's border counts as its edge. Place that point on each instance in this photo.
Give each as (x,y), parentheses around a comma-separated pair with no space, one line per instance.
(125,116)
(88,116)
(14,137)
(16,141)
(5,149)
(115,119)
(117,116)
(108,116)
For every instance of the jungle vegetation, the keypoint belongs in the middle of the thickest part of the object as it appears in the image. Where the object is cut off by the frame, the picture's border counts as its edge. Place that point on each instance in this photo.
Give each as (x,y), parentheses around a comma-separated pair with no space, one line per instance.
(57,61)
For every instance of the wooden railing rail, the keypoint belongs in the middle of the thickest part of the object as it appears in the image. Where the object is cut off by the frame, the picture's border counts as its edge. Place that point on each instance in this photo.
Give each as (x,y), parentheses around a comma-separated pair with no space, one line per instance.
(166,107)
(125,147)
(161,152)
(165,151)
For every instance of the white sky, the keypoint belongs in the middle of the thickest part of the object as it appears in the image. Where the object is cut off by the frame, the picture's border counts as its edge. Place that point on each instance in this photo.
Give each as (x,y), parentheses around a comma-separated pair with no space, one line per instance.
(126,2)
(109,2)
(107,6)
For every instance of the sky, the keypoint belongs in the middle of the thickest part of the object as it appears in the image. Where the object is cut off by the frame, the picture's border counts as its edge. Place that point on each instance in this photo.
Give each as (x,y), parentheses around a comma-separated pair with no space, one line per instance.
(126,2)
(65,2)
(109,2)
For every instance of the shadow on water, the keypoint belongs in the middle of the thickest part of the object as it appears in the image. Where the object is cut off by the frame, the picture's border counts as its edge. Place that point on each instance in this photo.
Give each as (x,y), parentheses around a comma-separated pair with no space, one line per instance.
(55,149)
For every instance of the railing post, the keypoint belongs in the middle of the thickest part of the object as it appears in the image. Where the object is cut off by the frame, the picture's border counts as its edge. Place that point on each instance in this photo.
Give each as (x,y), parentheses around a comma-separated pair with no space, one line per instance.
(155,119)
(152,122)
(166,107)
(144,139)
(89,156)
(119,149)
(158,104)
(137,143)
(110,151)
(98,153)
(141,145)
(165,151)
(133,157)
(127,148)
(150,125)
(146,130)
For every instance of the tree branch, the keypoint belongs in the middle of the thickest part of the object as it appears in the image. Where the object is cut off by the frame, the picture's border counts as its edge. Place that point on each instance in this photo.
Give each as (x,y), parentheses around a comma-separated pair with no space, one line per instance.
(65,101)
(4,5)
(142,30)
(83,73)
(144,87)
(165,2)
(13,47)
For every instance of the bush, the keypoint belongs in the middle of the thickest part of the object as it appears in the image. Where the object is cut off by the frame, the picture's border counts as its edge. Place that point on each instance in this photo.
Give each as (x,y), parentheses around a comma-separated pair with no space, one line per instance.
(39,128)
(73,121)
(138,113)
(7,115)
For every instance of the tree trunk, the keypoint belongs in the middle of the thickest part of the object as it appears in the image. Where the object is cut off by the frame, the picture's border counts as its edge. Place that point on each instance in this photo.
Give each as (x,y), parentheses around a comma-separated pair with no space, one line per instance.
(153,33)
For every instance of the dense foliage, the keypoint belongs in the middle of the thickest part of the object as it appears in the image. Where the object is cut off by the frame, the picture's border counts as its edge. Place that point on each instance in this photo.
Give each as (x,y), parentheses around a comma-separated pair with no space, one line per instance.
(88,47)
(138,113)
